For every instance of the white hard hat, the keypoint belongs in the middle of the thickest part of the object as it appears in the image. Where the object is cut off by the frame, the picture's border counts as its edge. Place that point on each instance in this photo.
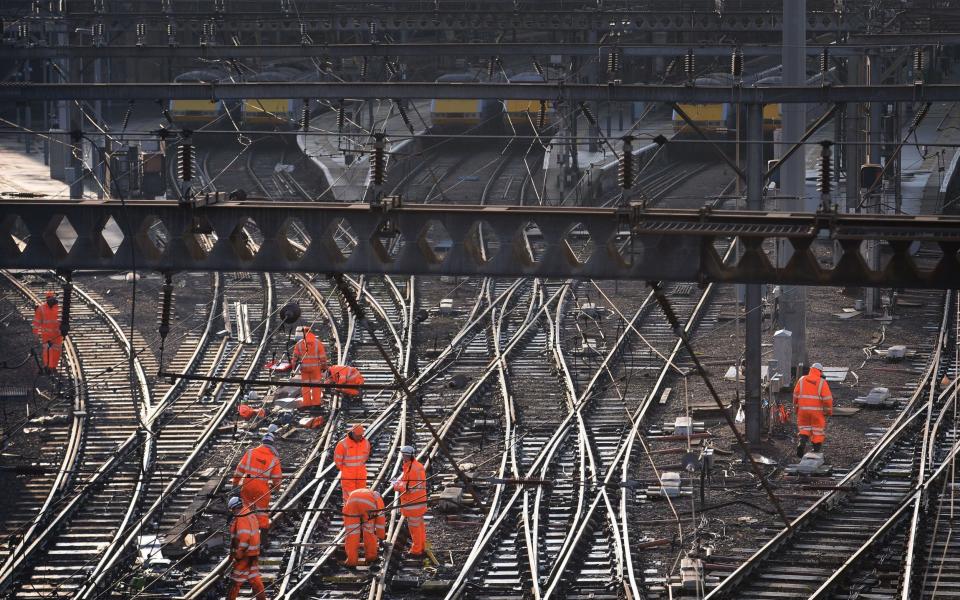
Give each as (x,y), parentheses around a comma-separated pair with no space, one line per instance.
(253,395)
(272,428)
(233,503)
(407,450)
(267,438)
(817,366)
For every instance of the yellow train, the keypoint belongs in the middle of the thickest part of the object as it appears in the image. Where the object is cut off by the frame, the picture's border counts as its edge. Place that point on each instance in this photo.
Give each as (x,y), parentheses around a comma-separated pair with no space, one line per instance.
(273,113)
(521,113)
(196,113)
(722,120)
(456,114)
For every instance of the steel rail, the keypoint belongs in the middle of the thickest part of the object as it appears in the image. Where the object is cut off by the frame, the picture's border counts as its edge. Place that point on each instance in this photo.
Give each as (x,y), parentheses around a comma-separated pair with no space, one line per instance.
(540,462)
(323,499)
(907,418)
(12,567)
(112,553)
(910,506)
(75,439)
(428,453)
(394,527)
(580,524)
(328,441)
(586,456)
(121,544)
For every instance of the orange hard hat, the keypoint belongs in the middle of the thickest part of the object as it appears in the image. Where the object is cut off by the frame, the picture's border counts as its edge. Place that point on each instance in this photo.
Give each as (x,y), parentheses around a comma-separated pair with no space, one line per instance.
(50,295)
(246,412)
(357,430)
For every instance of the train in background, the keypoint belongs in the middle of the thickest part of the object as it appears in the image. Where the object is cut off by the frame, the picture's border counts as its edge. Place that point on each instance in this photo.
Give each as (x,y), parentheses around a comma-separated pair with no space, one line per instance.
(274,113)
(455,115)
(249,113)
(488,114)
(722,120)
(193,114)
(520,114)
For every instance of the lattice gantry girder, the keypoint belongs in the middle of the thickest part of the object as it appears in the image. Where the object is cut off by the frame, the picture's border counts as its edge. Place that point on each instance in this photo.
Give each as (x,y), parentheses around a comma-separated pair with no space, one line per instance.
(600,243)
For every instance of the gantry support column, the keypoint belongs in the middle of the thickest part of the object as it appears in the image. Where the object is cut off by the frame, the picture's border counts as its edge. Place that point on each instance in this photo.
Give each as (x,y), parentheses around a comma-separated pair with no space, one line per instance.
(793,172)
(754,311)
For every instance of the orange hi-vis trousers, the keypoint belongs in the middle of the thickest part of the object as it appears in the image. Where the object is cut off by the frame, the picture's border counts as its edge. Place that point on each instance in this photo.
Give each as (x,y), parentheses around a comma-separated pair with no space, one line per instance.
(312,396)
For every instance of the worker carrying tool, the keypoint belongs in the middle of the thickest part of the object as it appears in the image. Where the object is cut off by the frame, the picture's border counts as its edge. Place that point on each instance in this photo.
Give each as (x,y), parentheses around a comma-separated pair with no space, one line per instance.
(46,326)
(363,511)
(259,474)
(351,457)
(412,487)
(813,403)
(345,374)
(244,550)
(310,353)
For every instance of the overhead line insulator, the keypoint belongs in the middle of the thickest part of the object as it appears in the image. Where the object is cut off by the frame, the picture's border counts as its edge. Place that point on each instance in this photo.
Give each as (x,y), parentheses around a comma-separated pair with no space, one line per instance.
(736,63)
(185,160)
(614,60)
(542,114)
(378,162)
(826,169)
(341,116)
(825,60)
(305,115)
(918,63)
(690,64)
(165,306)
(403,114)
(625,170)
(538,68)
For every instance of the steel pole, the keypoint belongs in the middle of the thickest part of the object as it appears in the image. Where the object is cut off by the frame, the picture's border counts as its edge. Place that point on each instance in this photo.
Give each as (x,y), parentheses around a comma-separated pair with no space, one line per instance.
(793,172)
(754,311)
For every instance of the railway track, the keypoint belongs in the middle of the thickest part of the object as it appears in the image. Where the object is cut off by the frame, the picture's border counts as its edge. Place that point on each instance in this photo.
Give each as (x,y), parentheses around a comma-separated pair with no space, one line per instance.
(69,535)
(60,447)
(261,166)
(825,544)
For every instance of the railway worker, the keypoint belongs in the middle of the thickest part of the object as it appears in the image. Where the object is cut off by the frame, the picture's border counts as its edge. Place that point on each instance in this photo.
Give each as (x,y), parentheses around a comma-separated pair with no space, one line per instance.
(259,474)
(363,512)
(311,355)
(351,457)
(345,374)
(813,403)
(244,550)
(412,487)
(46,326)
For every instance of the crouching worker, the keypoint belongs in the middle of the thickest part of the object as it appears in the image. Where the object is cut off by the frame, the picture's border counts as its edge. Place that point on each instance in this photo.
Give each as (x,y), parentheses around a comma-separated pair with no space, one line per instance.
(244,550)
(347,375)
(363,513)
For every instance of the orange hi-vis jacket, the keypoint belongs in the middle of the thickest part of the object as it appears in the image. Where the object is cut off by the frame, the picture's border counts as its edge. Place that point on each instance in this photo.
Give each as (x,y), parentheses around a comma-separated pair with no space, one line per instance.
(46,322)
(351,458)
(360,504)
(245,536)
(310,352)
(412,486)
(812,394)
(346,374)
(259,464)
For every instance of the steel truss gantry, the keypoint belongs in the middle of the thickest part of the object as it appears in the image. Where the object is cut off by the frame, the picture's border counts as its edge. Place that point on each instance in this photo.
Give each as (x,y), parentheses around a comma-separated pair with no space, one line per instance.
(556,242)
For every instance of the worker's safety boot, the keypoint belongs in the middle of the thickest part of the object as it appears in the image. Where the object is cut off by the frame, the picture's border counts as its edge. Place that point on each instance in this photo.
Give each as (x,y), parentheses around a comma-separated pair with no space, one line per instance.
(802,447)
(816,446)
